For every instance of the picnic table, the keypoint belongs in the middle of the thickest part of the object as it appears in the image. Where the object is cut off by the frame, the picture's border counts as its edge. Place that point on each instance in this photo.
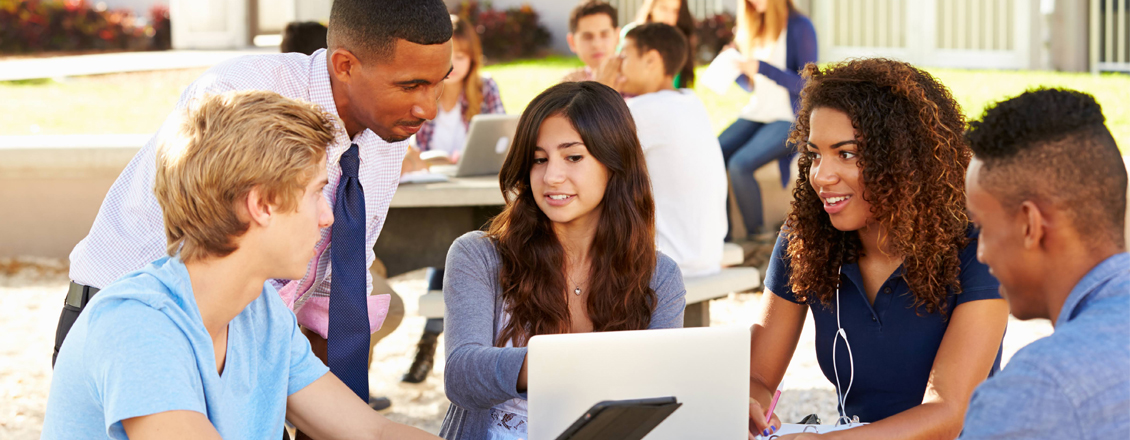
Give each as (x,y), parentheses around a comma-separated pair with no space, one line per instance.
(425,218)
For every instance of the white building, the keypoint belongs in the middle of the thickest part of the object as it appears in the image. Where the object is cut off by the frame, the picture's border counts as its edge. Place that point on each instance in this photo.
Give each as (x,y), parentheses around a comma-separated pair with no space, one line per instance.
(1001,34)
(139,7)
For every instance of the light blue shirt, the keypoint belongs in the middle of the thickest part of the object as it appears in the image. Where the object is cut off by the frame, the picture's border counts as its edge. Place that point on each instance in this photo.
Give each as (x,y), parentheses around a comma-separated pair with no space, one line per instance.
(140,348)
(1074,383)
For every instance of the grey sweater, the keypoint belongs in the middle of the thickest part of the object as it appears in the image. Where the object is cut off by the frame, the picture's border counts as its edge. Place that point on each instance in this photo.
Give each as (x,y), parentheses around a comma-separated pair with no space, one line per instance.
(478,375)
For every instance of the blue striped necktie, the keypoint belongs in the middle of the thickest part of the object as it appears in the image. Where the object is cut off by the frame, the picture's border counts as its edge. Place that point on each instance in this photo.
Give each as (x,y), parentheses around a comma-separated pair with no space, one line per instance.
(347,344)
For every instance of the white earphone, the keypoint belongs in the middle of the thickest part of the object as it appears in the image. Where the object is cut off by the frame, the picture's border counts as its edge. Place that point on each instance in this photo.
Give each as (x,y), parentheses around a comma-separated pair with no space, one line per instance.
(851,362)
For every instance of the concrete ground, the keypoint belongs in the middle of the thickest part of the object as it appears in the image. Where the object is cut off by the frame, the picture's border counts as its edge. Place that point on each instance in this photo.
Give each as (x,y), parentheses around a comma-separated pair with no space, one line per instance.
(32,290)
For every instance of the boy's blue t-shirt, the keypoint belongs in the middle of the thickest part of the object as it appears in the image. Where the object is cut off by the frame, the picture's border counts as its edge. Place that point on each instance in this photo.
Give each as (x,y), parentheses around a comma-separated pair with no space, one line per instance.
(140,348)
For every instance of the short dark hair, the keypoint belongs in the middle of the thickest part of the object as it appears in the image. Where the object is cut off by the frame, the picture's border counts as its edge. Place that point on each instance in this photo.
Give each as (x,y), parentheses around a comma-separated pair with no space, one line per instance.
(665,39)
(303,37)
(591,7)
(1051,145)
(370,28)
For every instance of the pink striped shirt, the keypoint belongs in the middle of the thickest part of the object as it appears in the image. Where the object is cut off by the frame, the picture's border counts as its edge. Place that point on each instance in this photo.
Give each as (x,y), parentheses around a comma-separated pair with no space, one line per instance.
(129,230)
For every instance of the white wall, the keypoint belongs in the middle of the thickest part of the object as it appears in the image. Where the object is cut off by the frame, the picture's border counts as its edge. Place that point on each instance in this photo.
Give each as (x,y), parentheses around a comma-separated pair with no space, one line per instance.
(313,10)
(139,7)
(274,15)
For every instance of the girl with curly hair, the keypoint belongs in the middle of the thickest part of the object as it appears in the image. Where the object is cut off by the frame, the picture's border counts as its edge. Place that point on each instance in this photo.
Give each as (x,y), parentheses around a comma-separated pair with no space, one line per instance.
(572,252)
(879,246)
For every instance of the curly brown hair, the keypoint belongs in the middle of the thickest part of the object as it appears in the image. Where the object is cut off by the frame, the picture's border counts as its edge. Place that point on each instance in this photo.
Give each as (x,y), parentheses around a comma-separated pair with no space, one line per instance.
(912,161)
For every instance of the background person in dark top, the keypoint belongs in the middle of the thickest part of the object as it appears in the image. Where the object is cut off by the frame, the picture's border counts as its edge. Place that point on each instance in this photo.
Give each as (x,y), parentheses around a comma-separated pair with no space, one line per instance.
(303,37)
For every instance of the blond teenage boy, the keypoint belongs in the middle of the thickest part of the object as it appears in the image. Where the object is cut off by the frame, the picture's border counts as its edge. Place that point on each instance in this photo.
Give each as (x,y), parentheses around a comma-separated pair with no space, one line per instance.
(381,76)
(198,345)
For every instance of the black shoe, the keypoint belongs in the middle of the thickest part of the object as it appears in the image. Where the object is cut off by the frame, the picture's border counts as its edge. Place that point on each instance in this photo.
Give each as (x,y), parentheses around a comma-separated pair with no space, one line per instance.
(425,358)
(379,403)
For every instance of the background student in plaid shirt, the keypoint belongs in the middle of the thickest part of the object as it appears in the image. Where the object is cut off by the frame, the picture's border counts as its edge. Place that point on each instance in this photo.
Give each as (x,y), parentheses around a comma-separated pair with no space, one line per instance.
(466,92)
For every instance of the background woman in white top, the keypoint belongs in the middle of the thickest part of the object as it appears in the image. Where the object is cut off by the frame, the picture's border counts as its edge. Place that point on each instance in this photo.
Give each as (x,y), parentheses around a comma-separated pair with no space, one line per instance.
(777,41)
(466,93)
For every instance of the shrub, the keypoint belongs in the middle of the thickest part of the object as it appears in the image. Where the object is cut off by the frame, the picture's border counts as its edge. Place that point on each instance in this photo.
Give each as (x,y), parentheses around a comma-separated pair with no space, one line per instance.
(74,25)
(160,30)
(505,34)
(714,33)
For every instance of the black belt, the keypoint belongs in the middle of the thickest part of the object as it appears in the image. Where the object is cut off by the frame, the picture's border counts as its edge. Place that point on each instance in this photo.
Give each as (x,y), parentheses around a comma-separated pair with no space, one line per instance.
(79,294)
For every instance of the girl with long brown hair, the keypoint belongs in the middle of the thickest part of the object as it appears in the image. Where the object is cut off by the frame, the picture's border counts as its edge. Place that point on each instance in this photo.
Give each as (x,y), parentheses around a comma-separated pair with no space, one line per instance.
(880,248)
(572,252)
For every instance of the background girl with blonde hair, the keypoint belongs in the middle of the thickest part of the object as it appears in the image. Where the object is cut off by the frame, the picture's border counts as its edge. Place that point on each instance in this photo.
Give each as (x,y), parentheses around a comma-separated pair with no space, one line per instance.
(467,92)
(776,42)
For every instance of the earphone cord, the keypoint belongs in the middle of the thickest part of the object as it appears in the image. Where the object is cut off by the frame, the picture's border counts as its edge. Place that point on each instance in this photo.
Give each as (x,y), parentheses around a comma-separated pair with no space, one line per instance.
(851,362)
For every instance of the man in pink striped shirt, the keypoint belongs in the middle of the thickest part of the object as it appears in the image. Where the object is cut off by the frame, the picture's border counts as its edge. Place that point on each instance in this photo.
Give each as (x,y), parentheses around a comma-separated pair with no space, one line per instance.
(381,76)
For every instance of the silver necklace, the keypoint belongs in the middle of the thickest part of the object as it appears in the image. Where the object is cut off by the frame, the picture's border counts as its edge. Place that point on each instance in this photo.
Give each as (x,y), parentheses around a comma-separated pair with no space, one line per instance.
(576,287)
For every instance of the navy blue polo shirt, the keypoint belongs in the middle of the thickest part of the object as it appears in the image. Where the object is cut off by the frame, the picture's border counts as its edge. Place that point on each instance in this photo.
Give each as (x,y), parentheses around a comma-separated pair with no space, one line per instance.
(892,344)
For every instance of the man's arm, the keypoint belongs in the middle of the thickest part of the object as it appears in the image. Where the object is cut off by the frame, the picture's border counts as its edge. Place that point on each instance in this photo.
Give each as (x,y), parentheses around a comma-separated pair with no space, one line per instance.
(171,425)
(327,409)
(1020,402)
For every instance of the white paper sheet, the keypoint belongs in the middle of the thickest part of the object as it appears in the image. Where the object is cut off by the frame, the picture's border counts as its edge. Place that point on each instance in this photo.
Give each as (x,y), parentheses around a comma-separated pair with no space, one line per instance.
(422,176)
(790,428)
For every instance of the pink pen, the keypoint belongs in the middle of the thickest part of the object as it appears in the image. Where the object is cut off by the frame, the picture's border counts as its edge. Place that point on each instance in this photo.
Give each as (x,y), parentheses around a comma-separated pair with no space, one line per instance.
(773,404)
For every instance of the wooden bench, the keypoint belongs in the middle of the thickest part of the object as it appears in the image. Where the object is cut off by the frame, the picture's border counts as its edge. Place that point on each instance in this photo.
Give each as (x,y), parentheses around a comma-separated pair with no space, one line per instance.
(700,290)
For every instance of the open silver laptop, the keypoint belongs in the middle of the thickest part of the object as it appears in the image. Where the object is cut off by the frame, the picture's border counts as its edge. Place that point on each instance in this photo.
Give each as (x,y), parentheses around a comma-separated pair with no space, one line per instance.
(706,369)
(488,140)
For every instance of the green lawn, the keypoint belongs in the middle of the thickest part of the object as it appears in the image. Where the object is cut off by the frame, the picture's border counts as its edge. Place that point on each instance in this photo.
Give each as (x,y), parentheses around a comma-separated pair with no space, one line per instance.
(139,102)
